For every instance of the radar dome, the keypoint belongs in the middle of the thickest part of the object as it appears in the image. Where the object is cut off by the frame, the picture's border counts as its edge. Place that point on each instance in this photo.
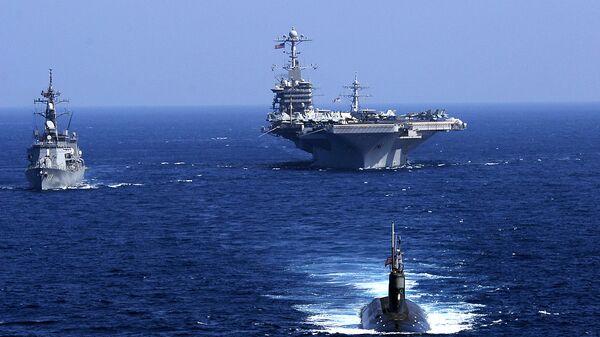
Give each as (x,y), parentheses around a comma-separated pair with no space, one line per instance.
(293,33)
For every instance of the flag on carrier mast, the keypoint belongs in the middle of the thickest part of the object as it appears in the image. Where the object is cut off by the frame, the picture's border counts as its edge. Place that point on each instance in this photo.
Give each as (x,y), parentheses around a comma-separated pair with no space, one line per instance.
(280,45)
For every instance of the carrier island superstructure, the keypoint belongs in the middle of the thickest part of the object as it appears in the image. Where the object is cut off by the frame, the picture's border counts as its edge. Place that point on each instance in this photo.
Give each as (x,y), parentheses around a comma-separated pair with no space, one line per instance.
(356,139)
(55,160)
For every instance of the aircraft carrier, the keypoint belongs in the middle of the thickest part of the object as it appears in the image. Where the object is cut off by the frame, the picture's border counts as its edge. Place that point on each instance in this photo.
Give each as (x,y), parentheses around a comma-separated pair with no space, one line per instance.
(55,160)
(355,139)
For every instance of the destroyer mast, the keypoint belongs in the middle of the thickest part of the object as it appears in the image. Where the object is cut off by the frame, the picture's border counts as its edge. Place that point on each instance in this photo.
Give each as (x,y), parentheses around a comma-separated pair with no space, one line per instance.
(50,101)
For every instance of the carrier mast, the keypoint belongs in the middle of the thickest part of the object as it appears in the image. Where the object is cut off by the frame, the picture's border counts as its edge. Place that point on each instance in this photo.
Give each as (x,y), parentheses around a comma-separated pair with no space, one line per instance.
(293,39)
(355,95)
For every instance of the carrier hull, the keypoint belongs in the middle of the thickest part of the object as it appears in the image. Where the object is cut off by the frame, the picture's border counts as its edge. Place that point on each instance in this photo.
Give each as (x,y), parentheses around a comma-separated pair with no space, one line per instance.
(364,146)
(42,179)
(355,149)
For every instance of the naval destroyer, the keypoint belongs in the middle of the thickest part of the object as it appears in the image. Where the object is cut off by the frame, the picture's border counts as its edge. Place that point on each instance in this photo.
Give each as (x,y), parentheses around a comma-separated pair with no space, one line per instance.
(394,313)
(55,160)
(356,139)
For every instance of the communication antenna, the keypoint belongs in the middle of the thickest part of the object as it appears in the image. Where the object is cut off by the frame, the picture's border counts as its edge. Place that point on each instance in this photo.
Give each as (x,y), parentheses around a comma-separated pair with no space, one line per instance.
(293,40)
(356,87)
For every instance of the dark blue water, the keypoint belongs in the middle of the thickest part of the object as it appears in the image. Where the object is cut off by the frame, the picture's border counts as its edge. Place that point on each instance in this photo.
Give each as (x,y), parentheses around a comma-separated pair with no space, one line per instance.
(190,224)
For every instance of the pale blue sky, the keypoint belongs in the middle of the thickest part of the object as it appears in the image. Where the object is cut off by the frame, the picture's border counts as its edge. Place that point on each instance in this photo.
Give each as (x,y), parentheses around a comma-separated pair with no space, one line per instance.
(149,52)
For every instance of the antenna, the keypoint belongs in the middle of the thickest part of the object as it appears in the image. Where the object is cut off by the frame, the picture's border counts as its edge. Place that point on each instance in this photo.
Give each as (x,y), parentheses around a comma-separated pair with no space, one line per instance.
(355,95)
(70,118)
(394,259)
(50,98)
(293,39)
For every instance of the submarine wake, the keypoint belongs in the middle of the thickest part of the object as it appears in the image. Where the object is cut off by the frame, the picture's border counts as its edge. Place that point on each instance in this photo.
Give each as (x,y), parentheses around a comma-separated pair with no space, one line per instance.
(342,287)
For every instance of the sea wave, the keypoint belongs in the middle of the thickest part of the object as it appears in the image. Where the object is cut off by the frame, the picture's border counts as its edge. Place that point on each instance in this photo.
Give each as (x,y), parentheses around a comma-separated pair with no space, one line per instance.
(123,184)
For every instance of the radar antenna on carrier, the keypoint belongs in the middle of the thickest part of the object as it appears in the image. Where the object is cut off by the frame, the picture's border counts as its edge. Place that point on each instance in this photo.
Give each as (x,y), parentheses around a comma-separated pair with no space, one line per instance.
(293,67)
(355,95)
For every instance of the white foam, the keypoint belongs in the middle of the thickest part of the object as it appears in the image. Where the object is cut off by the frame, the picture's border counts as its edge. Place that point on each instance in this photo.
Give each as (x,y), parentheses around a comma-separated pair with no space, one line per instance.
(179,163)
(123,184)
(84,186)
(430,276)
(544,312)
(340,320)
(97,185)
(184,180)
(274,297)
(447,318)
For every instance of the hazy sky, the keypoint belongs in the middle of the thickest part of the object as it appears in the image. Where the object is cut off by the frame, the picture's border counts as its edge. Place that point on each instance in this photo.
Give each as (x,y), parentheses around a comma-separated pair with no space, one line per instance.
(150,52)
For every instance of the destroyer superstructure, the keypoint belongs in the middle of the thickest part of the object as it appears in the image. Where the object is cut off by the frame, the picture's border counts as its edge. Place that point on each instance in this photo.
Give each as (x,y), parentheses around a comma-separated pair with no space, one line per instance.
(359,138)
(55,160)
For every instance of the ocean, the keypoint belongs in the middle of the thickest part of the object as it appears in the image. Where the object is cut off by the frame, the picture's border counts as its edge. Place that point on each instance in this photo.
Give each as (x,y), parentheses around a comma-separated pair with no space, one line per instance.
(192,224)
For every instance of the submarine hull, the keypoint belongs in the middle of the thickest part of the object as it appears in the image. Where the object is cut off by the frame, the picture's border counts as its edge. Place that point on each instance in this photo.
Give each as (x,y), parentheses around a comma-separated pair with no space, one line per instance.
(411,317)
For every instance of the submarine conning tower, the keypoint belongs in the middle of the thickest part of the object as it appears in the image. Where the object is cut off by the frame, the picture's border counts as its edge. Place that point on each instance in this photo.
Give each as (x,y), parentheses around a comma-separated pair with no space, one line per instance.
(394,313)
(397,284)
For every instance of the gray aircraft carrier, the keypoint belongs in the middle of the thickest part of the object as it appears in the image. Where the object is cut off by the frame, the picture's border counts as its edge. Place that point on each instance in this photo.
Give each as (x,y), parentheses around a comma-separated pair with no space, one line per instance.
(355,139)
(55,160)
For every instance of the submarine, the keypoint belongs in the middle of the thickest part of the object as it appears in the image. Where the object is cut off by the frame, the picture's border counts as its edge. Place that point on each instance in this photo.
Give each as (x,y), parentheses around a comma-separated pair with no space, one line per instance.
(394,313)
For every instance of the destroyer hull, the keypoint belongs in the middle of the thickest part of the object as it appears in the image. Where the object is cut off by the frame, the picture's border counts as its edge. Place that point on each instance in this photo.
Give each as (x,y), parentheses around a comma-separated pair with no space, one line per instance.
(42,179)
(412,319)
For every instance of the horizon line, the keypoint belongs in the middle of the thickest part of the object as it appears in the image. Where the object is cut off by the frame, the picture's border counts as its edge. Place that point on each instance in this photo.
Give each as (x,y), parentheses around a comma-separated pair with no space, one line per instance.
(329,105)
